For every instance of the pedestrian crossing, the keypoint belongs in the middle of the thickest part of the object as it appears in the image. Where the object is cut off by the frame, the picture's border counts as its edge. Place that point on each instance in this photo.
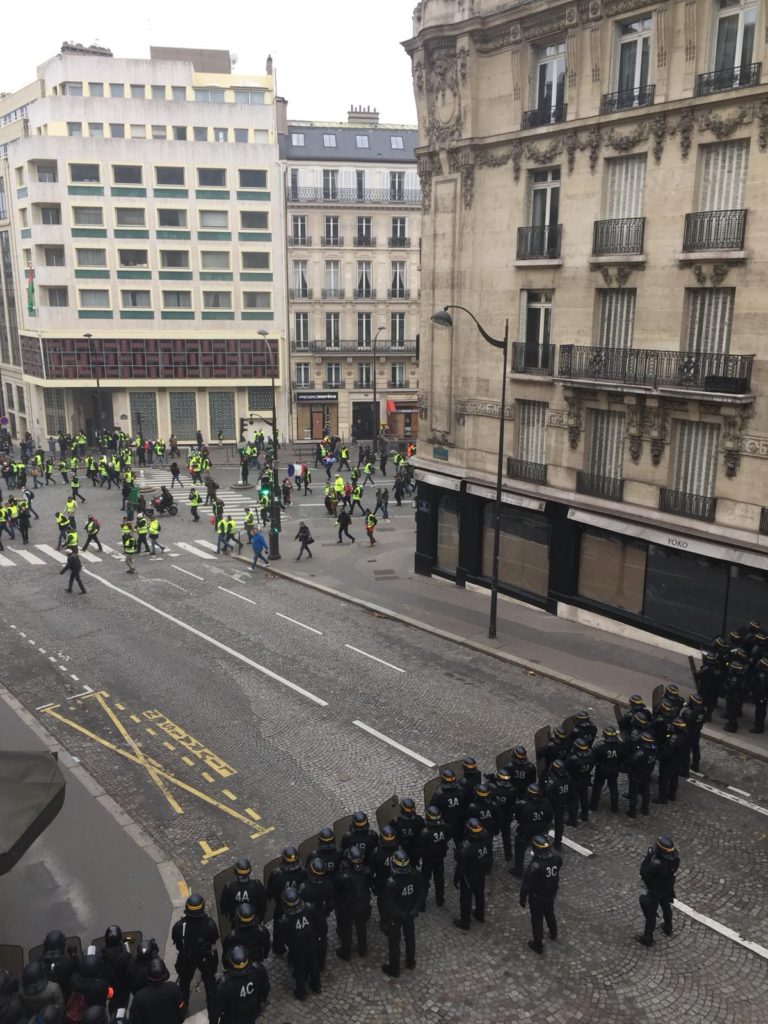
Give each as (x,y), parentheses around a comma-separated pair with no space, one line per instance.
(14,557)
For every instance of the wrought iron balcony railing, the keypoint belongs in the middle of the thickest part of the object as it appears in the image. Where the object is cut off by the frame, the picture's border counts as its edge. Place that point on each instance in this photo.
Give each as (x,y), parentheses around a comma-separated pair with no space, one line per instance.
(364,293)
(534,359)
(334,240)
(545,115)
(714,229)
(333,293)
(700,371)
(625,99)
(539,242)
(349,347)
(533,472)
(399,242)
(599,486)
(398,293)
(354,196)
(363,241)
(728,78)
(299,240)
(619,235)
(300,293)
(694,506)
(334,384)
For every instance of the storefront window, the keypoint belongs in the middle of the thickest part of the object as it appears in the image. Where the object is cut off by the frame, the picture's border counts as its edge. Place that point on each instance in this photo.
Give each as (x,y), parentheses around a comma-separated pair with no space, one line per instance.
(685,592)
(448,533)
(523,549)
(747,596)
(612,570)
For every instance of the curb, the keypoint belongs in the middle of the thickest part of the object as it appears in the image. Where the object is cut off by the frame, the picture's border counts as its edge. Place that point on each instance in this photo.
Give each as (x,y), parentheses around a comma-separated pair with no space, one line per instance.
(559,677)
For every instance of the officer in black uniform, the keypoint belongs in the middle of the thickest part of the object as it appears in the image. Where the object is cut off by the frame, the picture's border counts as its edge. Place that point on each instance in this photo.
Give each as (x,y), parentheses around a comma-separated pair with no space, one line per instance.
(521,771)
(673,756)
(608,754)
(539,889)
(195,937)
(353,902)
(137,973)
(403,898)
(708,679)
(759,695)
(299,932)
(636,703)
(89,983)
(327,851)
(556,746)
(558,790)
(248,932)
(640,765)
(503,796)
(379,863)
(361,835)
(115,960)
(658,871)
(584,727)
(59,964)
(673,697)
(320,893)
(663,718)
(288,872)
(470,778)
(580,764)
(448,800)
(734,693)
(408,824)
(474,860)
(432,846)
(243,889)
(694,716)
(534,815)
(642,721)
(160,1001)
(482,807)
(243,990)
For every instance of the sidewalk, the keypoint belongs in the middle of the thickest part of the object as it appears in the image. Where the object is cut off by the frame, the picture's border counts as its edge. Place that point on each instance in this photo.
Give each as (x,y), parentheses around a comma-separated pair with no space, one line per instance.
(92,867)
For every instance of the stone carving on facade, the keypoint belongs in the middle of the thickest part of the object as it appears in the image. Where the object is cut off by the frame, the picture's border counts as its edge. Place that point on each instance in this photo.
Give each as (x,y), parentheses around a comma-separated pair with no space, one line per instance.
(635,448)
(634,421)
(427,166)
(474,407)
(723,127)
(440,437)
(718,274)
(659,133)
(623,272)
(445,116)
(418,76)
(684,130)
(497,38)
(690,30)
(657,450)
(754,445)
(593,144)
(549,22)
(732,440)
(623,143)
(462,59)
(462,161)
(572,57)
(560,421)
(516,77)
(574,419)
(655,427)
(661,17)
(423,406)
(762,118)
(544,154)
(594,51)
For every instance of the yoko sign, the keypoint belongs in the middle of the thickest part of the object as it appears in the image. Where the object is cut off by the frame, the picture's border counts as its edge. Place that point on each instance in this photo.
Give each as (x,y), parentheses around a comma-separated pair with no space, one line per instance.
(317,396)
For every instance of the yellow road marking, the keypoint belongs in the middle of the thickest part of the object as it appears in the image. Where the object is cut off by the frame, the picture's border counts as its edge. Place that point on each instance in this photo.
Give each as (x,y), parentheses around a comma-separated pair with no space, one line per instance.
(120,707)
(183,889)
(207,776)
(187,760)
(252,814)
(262,831)
(97,693)
(151,731)
(134,718)
(208,853)
(151,769)
(229,794)
(168,746)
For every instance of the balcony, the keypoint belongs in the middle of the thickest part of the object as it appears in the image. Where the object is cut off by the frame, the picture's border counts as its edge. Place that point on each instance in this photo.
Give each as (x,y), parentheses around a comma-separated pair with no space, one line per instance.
(400,385)
(621,235)
(356,197)
(299,240)
(332,293)
(694,506)
(365,242)
(300,293)
(364,293)
(383,348)
(303,346)
(599,486)
(399,242)
(302,384)
(714,229)
(539,242)
(332,240)
(545,115)
(625,99)
(334,384)
(538,360)
(532,472)
(398,293)
(728,78)
(719,372)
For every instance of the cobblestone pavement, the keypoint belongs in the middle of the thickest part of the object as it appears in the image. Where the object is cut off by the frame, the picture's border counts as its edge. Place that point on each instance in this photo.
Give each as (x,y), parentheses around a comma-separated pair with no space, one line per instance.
(177,722)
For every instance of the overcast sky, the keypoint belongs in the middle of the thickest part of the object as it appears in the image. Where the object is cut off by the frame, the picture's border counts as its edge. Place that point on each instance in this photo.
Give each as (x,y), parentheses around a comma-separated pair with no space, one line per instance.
(327,55)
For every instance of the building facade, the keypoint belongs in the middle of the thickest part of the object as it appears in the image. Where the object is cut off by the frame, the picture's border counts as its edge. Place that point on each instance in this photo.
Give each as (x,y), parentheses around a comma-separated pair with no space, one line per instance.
(141,232)
(595,173)
(353,209)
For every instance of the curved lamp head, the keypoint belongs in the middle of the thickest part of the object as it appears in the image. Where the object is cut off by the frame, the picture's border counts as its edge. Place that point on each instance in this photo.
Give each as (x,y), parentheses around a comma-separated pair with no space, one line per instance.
(442,318)
(263,334)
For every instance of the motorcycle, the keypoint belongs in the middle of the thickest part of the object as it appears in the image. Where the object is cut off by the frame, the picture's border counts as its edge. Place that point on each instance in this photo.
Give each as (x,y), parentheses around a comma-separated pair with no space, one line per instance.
(163,510)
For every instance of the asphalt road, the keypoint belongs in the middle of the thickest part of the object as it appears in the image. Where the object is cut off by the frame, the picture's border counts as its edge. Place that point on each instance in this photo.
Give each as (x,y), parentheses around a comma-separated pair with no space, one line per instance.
(230,713)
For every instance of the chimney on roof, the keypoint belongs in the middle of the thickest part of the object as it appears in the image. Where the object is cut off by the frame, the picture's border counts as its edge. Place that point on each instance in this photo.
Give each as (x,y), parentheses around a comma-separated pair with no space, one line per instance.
(363,115)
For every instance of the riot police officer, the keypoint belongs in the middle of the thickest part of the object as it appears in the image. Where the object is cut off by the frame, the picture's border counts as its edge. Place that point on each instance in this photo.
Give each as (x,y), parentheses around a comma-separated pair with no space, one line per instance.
(470,778)
(137,973)
(288,872)
(327,851)
(319,892)
(672,757)
(243,889)
(353,902)
(584,727)
(483,808)
(521,771)
(243,990)
(448,801)
(556,746)
(195,937)
(361,835)
(694,715)
(408,824)
(60,964)
(658,870)
(379,863)
(503,796)
(759,695)
(474,860)
(534,816)
(640,765)
(708,679)
(673,697)
(248,932)
(580,765)
(539,890)
(299,932)
(432,846)
(402,901)
(160,1001)
(87,980)
(557,789)
(608,754)
(636,703)
(115,960)
(734,693)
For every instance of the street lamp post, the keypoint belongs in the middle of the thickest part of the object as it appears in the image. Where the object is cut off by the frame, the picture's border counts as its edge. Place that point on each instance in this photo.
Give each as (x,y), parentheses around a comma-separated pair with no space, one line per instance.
(442,318)
(274,507)
(375,399)
(89,339)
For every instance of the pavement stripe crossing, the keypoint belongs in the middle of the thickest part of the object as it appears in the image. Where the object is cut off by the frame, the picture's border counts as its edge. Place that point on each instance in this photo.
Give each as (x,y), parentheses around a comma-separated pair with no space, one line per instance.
(205,543)
(194,551)
(5,561)
(29,557)
(48,550)
(89,557)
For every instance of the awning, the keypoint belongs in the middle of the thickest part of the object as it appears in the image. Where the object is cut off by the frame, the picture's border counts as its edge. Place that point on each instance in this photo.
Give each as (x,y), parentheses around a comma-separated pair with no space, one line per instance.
(448,483)
(667,539)
(506,498)
(31,795)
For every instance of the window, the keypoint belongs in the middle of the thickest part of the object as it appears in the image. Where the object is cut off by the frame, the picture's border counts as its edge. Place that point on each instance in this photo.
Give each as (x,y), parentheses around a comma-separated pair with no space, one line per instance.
(96,88)
(71,88)
(143,407)
(364,375)
(87,215)
(362,141)
(685,591)
(255,261)
(333,375)
(214,260)
(183,408)
(159,131)
(221,135)
(301,328)
(397,376)
(241,135)
(360,184)
(299,229)
(303,379)
(250,97)
(364,329)
(174,259)
(397,280)
(332,329)
(91,257)
(447,556)
(47,172)
(293,188)
(257,300)
(117,131)
(127,174)
(96,129)
(545,198)
(214,219)
(84,173)
(74,129)
(52,215)
(253,179)
(169,175)
(364,226)
(396,141)
(550,82)
(612,570)
(531,427)
(21,405)
(24,213)
(94,298)
(396,329)
(364,279)
(57,297)
(177,300)
(299,277)
(397,186)
(172,218)
(634,60)
(130,216)
(158,92)
(523,548)
(297,138)
(200,134)
(330,184)
(116,90)
(735,37)
(710,314)
(135,299)
(536,326)
(211,177)
(695,458)
(180,133)
(331,235)
(399,230)
(329,141)
(138,92)
(251,220)
(332,279)
(132,257)
(722,175)
(606,443)
(209,95)
(54,257)
(217,300)
(616,309)
(179,93)
(138,131)
(624,187)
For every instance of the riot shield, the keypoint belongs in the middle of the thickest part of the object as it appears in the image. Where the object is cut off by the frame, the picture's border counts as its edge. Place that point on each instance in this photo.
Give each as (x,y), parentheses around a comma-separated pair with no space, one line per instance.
(219,881)
(132,938)
(569,723)
(658,693)
(618,713)
(340,827)
(268,869)
(540,740)
(388,811)
(307,847)
(12,959)
(72,945)
(503,759)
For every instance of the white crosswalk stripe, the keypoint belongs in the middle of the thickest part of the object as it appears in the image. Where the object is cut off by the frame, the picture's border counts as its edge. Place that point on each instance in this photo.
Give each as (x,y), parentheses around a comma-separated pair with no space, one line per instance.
(89,557)
(5,561)
(195,551)
(48,550)
(29,557)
